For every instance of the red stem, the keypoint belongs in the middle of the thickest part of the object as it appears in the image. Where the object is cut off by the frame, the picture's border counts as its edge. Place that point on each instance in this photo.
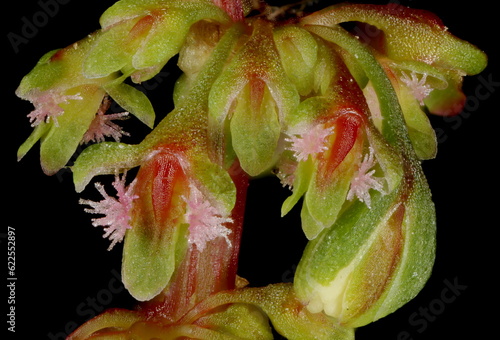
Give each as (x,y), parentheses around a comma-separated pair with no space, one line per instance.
(201,274)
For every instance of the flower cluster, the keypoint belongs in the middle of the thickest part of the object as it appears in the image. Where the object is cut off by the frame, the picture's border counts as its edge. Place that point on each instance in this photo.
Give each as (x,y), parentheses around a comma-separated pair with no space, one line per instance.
(340,119)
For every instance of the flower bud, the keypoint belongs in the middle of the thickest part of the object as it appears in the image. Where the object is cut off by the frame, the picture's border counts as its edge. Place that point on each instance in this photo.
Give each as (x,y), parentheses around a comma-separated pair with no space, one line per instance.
(249,102)
(329,136)
(143,35)
(424,61)
(408,34)
(299,53)
(65,104)
(372,260)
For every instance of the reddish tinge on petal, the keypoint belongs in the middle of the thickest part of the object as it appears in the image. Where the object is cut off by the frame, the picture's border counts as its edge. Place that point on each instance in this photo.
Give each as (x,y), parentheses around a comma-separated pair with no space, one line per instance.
(153,245)
(347,114)
(204,271)
(165,181)
(408,34)
(232,7)
(347,129)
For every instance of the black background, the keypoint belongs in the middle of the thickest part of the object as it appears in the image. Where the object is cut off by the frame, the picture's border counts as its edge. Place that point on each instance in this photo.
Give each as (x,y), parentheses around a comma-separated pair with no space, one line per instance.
(65,275)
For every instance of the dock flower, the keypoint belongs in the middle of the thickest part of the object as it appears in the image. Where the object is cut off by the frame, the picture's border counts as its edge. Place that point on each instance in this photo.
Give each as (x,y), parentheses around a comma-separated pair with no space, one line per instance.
(171,207)
(67,103)
(424,61)
(68,86)
(373,259)
(379,250)
(333,151)
(378,257)
(249,101)
(185,201)
(181,248)
(143,35)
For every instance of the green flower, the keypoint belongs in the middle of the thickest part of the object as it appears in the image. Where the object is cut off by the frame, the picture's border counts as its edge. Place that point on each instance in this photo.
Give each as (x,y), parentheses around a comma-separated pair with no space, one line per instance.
(372,260)
(424,61)
(249,101)
(334,153)
(67,103)
(139,37)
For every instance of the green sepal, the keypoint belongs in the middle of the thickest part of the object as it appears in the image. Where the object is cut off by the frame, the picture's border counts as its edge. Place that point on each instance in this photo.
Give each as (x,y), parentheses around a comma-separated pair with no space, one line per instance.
(132,100)
(144,35)
(60,70)
(289,317)
(175,25)
(114,318)
(307,112)
(159,48)
(151,256)
(214,179)
(447,101)
(337,273)
(103,159)
(388,158)
(299,53)
(420,131)
(37,133)
(325,70)
(303,175)
(60,141)
(354,67)
(128,9)
(319,213)
(45,75)
(255,133)
(238,321)
(111,51)
(264,85)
